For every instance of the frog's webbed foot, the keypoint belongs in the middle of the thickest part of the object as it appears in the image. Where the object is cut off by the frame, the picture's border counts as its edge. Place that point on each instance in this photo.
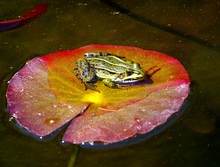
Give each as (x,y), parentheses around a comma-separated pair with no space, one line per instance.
(91,86)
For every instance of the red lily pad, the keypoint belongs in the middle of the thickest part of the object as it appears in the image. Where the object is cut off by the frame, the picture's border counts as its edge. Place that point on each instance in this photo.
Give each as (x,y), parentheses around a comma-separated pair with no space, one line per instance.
(45,94)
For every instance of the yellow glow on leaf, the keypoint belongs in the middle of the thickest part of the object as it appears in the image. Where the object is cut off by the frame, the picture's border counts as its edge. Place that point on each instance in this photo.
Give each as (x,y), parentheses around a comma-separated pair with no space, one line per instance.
(93,97)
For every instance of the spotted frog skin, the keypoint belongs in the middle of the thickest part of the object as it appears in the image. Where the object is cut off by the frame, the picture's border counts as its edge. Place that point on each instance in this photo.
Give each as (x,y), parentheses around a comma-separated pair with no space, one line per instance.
(112,70)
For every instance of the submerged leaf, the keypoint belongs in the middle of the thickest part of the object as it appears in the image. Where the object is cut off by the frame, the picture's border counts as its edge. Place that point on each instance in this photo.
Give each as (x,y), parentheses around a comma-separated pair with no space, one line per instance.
(45,94)
(24,19)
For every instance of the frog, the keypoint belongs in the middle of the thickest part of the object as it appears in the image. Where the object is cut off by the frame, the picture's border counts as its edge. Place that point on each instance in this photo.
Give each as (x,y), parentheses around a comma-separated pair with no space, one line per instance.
(113,70)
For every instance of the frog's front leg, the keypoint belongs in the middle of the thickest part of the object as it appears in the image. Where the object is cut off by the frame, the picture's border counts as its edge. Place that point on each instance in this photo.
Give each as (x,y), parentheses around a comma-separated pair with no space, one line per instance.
(109,83)
(91,86)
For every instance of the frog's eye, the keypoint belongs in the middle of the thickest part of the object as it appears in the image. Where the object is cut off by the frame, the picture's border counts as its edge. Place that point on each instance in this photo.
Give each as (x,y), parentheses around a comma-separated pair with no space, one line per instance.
(136,65)
(129,72)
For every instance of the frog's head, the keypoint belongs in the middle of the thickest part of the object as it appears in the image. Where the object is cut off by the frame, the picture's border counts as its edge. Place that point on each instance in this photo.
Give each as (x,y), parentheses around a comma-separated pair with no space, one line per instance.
(136,73)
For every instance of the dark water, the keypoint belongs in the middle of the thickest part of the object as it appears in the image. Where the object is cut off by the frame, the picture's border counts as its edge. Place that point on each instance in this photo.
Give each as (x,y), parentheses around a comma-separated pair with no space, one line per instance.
(186,30)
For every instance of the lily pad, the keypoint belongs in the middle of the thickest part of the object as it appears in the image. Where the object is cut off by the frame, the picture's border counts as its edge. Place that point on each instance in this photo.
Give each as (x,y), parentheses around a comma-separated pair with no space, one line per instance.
(45,94)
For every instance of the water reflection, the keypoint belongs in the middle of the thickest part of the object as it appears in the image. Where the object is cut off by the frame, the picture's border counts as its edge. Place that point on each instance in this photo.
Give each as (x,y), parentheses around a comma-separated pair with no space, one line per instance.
(166,28)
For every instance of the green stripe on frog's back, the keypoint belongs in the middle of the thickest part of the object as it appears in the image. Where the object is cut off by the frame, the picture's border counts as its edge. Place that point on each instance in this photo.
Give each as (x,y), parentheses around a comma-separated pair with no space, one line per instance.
(111,63)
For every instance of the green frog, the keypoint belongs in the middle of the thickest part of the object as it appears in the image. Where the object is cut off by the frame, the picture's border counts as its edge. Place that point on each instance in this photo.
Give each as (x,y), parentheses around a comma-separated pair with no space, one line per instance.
(114,71)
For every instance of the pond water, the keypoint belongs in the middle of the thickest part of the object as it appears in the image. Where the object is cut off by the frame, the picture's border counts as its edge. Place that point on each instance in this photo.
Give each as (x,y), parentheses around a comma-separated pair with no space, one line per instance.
(186,30)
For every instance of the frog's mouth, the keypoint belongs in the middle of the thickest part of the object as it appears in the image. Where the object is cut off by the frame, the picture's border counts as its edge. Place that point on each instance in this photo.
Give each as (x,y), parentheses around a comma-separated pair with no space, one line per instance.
(130,82)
